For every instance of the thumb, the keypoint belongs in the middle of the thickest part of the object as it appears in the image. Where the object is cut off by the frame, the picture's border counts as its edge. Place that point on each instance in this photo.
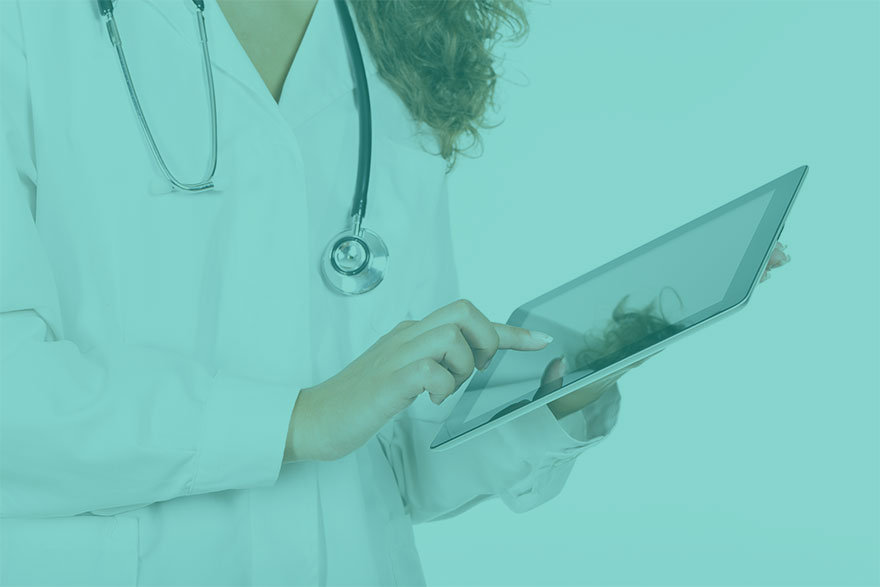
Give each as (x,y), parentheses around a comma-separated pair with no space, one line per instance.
(551,380)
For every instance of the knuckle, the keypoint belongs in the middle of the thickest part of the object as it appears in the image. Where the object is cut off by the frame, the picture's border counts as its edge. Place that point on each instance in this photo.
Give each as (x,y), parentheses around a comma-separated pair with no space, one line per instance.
(449,333)
(423,368)
(495,339)
(467,307)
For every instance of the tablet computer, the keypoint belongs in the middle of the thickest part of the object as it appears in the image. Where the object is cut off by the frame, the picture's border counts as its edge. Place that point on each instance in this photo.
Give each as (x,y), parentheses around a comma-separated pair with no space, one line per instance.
(629,308)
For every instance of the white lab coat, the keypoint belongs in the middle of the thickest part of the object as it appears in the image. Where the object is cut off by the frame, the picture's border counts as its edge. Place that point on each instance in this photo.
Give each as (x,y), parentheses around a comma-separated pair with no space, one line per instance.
(154,342)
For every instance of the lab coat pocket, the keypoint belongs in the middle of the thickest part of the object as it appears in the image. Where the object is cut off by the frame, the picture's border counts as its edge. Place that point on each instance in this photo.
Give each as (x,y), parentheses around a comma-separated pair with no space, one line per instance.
(78,550)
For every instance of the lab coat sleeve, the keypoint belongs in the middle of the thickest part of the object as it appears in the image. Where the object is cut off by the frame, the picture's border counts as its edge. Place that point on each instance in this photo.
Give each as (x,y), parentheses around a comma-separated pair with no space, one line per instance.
(113,425)
(524,462)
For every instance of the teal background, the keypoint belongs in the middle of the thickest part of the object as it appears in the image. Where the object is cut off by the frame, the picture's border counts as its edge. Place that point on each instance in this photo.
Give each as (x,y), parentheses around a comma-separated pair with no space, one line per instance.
(748,453)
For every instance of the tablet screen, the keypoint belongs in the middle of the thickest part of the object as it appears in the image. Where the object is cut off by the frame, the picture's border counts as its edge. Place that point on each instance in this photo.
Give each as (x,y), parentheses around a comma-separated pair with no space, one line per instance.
(630,304)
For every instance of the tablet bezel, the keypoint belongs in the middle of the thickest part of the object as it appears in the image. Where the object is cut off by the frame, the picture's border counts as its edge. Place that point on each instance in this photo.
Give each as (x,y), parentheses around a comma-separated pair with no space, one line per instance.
(747,276)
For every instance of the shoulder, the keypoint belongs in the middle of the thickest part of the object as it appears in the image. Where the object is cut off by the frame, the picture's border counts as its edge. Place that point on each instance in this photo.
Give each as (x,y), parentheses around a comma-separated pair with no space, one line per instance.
(51,32)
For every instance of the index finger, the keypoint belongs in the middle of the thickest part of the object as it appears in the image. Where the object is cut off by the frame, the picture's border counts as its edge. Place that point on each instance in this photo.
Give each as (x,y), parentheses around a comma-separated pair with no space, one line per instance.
(483,336)
(521,339)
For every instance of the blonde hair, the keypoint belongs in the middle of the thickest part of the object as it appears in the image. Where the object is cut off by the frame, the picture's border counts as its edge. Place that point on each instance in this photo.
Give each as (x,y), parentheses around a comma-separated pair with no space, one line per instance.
(437,55)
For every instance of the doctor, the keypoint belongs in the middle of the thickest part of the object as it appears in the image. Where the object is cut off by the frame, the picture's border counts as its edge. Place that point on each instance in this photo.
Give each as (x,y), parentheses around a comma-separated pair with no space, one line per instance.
(185,398)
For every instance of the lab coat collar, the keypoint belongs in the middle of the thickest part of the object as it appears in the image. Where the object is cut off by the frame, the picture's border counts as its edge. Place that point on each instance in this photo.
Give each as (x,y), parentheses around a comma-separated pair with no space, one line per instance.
(320,73)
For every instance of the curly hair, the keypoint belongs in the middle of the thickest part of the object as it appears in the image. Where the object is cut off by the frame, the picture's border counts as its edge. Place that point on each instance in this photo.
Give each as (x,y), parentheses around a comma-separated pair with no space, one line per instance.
(627,332)
(437,55)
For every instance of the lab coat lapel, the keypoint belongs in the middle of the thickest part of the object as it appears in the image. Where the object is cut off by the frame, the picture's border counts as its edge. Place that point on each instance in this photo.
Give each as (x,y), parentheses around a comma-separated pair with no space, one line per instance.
(227,55)
(321,72)
(179,14)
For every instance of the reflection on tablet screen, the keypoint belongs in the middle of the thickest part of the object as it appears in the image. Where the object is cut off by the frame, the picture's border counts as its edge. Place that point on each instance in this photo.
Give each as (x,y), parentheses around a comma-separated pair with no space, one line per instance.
(615,312)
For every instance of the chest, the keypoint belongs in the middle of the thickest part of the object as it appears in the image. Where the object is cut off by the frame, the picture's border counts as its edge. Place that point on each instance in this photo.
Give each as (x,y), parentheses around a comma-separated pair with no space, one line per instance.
(230,276)
(270,32)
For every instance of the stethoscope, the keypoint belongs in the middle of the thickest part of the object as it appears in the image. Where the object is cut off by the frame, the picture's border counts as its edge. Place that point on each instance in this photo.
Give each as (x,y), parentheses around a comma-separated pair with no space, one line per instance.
(354,260)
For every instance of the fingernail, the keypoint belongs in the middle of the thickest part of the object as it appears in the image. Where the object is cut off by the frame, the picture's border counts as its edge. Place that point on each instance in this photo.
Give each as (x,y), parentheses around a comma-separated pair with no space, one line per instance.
(563,364)
(541,336)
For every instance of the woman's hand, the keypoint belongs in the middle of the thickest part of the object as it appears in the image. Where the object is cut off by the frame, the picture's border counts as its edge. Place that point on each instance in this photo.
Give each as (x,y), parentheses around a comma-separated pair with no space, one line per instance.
(580,398)
(778,258)
(436,354)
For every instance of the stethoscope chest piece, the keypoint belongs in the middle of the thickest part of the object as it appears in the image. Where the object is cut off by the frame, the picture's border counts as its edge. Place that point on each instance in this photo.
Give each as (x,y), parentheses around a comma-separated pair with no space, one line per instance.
(354,264)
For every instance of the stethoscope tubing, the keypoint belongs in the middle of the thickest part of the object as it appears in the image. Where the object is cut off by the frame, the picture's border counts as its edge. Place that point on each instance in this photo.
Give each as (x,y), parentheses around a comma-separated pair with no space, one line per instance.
(355,260)
(365,122)
(106,9)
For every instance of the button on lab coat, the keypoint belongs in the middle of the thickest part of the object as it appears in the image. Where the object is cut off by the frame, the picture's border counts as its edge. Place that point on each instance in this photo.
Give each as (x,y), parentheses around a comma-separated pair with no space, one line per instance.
(154,342)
